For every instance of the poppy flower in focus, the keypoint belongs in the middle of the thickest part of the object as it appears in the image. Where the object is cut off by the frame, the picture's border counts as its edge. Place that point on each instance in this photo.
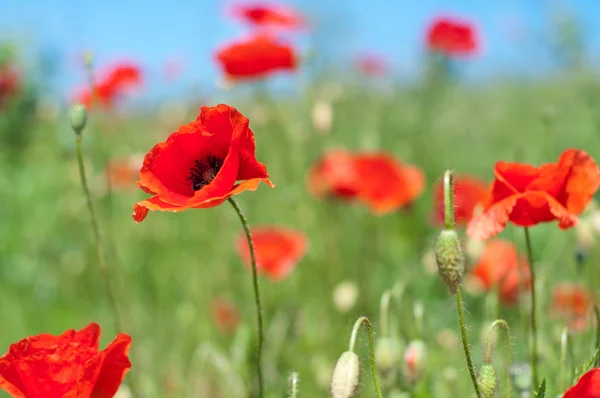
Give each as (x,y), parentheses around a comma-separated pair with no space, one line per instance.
(385,184)
(498,268)
(113,82)
(255,58)
(268,15)
(572,303)
(9,83)
(371,65)
(225,315)
(334,175)
(469,193)
(452,37)
(528,195)
(198,165)
(277,250)
(122,173)
(588,386)
(69,365)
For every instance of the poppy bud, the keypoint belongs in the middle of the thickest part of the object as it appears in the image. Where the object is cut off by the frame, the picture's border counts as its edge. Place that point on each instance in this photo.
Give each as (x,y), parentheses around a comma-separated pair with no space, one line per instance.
(415,361)
(487,381)
(450,259)
(386,354)
(322,116)
(344,295)
(344,381)
(78,116)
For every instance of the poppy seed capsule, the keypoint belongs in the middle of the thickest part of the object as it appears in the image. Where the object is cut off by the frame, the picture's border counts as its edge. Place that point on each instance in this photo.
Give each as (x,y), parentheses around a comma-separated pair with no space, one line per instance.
(450,259)
(78,116)
(487,381)
(344,381)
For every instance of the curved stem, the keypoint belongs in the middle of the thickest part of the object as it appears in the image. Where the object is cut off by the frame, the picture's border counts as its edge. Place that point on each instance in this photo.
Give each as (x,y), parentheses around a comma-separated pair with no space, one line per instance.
(534,370)
(463,332)
(360,321)
(449,199)
(98,238)
(259,317)
(294,382)
(488,352)
(564,349)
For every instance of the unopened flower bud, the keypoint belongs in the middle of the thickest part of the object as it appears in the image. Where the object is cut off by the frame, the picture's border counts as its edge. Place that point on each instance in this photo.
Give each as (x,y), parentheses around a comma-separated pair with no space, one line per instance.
(415,359)
(344,295)
(386,354)
(487,381)
(322,116)
(78,116)
(450,259)
(344,381)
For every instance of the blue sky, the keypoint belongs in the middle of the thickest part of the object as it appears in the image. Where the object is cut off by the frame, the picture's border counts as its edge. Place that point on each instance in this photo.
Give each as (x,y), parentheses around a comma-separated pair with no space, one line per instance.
(152,31)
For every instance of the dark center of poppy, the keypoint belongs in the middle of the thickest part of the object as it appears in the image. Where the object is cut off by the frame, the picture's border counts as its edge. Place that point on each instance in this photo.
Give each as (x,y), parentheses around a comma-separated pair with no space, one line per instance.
(204,171)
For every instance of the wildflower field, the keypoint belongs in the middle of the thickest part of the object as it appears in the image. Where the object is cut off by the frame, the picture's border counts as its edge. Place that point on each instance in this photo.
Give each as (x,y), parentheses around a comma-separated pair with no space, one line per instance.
(391,222)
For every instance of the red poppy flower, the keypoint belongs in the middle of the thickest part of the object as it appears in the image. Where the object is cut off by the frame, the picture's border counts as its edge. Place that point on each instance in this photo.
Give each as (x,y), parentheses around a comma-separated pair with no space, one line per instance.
(452,37)
(9,83)
(528,195)
(498,268)
(277,250)
(225,315)
(371,65)
(264,15)
(385,184)
(69,365)
(122,173)
(572,303)
(255,58)
(198,165)
(334,175)
(113,82)
(469,194)
(587,387)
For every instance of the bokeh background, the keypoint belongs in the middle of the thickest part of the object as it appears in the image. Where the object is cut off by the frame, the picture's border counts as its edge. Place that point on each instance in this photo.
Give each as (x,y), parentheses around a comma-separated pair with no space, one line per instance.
(530,90)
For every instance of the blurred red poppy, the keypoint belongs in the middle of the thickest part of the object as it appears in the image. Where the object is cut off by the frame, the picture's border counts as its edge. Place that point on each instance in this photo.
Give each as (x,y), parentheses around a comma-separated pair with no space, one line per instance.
(452,37)
(122,173)
(588,386)
(9,83)
(385,184)
(268,15)
(572,303)
(113,82)
(469,194)
(371,65)
(528,195)
(225,315)
(277,250)
(334,175)
(500,267)
(255,58)
(198,165)
(69,365)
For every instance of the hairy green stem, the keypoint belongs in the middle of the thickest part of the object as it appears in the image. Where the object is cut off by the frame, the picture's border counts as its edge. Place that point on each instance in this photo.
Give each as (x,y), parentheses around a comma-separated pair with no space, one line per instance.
(533,320)
(357,324)
(449,199)
(463,332)
(293,385)
(564,350)
(257,302)
(488,352)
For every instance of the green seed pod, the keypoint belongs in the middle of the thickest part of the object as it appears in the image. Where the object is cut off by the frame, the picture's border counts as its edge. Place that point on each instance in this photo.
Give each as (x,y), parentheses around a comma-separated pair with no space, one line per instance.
(78,116)
(386,354)
(346,373)
(450,259)
(487,381)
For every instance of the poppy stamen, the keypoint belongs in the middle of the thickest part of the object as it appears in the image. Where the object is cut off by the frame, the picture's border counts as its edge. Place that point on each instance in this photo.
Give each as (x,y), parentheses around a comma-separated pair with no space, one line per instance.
(204,171)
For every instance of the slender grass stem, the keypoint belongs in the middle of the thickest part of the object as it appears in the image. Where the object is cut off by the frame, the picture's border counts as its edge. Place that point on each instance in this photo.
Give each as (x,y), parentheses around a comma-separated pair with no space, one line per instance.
(488,352)
(533,320)
(357,324)
(257,301)
(463,332)
(564,350)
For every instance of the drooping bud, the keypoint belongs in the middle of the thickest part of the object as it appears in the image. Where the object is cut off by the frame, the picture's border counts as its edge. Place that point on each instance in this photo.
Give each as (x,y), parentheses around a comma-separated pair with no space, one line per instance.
(450,259)
(344,381)
(78,116)
(487,381)
(415,361)
(386,354)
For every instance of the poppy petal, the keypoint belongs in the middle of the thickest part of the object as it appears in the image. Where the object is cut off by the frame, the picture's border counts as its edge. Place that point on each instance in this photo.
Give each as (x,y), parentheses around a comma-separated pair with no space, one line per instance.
(583,180)
(493,220)
(113,364)
(588,386)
